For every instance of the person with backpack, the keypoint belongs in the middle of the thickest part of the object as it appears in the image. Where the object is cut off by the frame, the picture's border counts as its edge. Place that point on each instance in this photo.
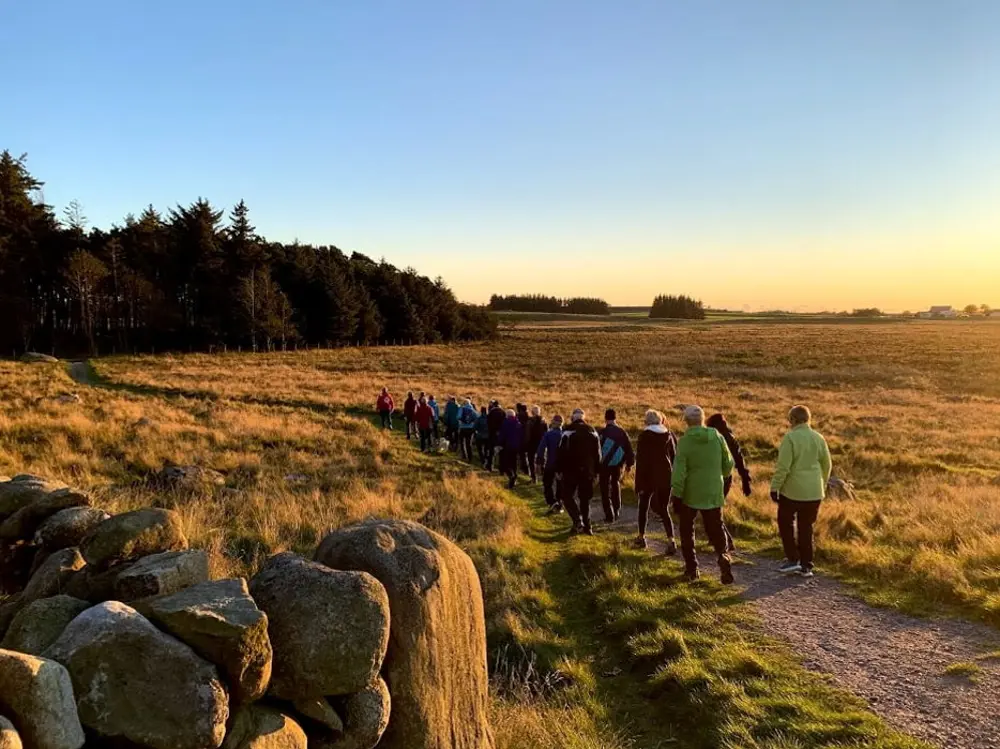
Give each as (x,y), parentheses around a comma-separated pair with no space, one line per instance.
(700,467)
(494,420)
(482,436)
(511,442)
(579,461)
(424,417)
(534,431)
(385,406)
(718,423)
(654,466)
(466,428)
(798,488)
(545,458)
(410,414)
(451,423)
(437,416)
(616,456)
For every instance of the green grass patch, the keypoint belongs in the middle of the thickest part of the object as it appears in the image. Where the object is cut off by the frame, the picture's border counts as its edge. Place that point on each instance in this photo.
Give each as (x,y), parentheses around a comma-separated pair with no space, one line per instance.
(964,669)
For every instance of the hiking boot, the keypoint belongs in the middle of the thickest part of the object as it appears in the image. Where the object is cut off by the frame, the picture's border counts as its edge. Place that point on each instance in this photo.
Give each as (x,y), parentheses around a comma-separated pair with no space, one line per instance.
(808,572)
(789,568)
(726,568)
(671,548)
(640,543)
(691,574)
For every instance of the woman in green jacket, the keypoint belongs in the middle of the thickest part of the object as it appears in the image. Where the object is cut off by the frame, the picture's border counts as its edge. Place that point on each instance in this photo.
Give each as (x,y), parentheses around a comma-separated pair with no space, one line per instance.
(702,463)
(798,487)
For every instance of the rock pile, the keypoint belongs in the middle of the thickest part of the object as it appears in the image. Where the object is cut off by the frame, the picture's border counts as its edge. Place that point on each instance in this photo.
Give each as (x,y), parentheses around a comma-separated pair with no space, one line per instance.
(114,634)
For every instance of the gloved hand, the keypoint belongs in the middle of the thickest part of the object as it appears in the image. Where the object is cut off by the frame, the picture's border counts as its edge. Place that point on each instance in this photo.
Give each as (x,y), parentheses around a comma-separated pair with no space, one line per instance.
(747,488)
(775,498)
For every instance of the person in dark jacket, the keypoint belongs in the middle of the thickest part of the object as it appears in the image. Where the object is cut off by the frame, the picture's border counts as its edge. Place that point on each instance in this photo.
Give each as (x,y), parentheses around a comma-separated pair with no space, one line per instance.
(616,456)
(534,431)
(424,417)
(409,414)
(511,445)
(523,458)
(483,435)
(545,458)
(432,402)
(654,466)
(385,406)
(579,461)
(718,423)
(495,418)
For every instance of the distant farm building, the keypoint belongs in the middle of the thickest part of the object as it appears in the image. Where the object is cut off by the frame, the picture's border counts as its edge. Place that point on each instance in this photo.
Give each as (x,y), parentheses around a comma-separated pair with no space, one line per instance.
(939,312)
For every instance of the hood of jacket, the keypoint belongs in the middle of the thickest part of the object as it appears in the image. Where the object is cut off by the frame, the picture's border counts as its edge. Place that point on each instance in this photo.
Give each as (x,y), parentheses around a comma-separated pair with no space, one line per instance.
(701,434)
(656,429)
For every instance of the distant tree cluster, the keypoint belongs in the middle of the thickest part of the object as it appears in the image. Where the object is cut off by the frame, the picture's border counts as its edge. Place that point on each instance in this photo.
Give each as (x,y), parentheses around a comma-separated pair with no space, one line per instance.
(867,312)
(541,303)
(677,307)
(190,280)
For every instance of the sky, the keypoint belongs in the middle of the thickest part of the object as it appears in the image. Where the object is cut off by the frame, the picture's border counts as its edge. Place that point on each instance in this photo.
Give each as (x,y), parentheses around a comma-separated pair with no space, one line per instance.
(756,154)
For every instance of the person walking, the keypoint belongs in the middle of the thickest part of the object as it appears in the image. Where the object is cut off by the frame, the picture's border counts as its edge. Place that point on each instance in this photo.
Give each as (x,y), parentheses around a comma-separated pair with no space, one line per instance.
(545,458)
(437,417)
(798,488)
(511,443)
(466,428)
(534,431)
(579,461)
(523,457)
(616,455)
(482,435)
(654,466)
(451,423)
(700,467)
(410,414)
(718,423)
(424,417)
(385,406)
(494,420)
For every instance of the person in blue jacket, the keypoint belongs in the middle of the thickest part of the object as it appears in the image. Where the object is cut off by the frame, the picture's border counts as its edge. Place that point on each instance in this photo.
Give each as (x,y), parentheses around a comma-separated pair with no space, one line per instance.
(437,415)
(545,460)
(451,423)
(467,417)
(616,455)
(511,439)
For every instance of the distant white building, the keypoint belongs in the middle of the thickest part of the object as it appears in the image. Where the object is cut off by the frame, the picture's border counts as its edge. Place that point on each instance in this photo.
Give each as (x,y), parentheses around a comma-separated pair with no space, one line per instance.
(939,312)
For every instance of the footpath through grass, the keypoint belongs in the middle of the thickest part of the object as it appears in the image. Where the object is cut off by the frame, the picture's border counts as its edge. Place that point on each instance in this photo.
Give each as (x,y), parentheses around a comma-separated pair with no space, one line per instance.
(595,644)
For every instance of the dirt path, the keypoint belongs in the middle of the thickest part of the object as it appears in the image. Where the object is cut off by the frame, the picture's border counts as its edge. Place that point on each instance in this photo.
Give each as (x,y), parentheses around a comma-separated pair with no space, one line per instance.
(896,662)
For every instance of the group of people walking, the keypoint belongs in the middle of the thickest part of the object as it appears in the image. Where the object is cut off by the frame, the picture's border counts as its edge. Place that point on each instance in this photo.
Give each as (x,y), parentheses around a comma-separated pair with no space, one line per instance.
(675,477)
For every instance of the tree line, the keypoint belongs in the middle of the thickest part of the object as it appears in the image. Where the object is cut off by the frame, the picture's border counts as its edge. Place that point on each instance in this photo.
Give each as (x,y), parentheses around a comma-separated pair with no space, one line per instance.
(542,303)
(677,307)
(192,279)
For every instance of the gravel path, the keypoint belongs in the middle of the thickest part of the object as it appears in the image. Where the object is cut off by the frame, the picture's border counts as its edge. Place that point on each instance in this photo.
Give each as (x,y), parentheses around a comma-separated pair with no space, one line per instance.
(894,661)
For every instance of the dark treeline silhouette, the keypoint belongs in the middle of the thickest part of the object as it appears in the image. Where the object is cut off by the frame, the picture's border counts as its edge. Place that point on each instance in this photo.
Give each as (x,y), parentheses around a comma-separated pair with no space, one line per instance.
(541,303)
(677,307)
(189,279)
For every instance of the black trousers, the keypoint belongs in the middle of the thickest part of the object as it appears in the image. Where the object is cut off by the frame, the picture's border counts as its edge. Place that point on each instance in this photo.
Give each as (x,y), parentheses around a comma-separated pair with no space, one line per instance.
(529,458)
(577,491)
(611,491)
(386,415)
(491,452)
(483,448)
(465,442)
(437,434)
(712,520)
(550,485)
(426,439)
(794,515)
(411,427)
(508,465)
(646,500)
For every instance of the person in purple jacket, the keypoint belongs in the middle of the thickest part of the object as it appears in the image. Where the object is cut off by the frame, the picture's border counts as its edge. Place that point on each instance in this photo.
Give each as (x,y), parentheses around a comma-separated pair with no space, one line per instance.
(511,439)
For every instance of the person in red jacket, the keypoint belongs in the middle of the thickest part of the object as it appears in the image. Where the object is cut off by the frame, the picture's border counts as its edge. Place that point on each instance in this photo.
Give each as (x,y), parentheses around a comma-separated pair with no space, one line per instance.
(385,406)
(424,417)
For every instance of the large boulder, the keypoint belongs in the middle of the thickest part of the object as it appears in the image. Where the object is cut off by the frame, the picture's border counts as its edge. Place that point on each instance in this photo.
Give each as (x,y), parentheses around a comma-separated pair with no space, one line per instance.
(68,527)
(37,696)
(329,629)
(136,684)
(366,715)
(436,664)
(132,535)
(259,727)
(34,357)
(221,622)
(23,523)
(23,490)
(162,574)
(53,576)
(40,623)
(94,584)
(9,738)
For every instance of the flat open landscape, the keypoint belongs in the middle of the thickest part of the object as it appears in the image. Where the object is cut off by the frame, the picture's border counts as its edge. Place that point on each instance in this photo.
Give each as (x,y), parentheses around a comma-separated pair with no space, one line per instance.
(592,644)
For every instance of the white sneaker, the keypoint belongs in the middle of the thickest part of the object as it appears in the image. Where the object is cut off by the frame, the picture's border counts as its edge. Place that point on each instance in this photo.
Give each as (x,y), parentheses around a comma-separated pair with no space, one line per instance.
(789,568)
(808,573)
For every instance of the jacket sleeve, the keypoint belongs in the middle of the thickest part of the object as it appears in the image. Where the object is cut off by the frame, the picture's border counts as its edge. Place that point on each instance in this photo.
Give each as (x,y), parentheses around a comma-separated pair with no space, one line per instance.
(824,460)
(598,456)
(784,466)
(540,452)
(727,458)
(679,479)
(629,453)
(738,458)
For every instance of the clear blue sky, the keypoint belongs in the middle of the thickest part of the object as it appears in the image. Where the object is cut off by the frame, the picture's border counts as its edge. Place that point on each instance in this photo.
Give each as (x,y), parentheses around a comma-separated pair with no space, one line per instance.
(796,153)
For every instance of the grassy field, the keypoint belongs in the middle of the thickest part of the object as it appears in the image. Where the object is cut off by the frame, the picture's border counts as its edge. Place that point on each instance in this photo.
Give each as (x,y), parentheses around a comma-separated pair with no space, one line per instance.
(593,645)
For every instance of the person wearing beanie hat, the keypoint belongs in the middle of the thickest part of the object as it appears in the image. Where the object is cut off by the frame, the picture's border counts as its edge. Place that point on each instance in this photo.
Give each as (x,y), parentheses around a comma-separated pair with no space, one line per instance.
(579,461)
(616,456)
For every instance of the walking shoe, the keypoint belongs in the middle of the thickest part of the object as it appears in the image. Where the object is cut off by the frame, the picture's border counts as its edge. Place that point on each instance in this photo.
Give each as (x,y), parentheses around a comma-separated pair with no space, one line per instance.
(726,568)
(671,548)
(587,530)
(691,574)
(789,568)
(555,509)
(640,543)
(808,572)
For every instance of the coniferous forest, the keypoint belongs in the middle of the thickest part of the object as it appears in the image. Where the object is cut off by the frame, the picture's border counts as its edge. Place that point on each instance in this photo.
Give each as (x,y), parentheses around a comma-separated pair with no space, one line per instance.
(196,278)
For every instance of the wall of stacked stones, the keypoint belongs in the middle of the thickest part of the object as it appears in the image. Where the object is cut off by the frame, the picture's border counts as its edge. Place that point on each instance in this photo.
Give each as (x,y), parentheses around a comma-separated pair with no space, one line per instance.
(114,635)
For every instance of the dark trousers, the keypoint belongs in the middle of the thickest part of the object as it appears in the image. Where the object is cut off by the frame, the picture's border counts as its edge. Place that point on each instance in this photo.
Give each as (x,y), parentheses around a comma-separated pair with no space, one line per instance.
(411,427)
(648,500)
(529,459)
(712,520)
(611,491)
(465,441)
(577,491)
(426,439)
(386,415)
(483,447)
(792,513)
(437,435)
(491,452)
(550,485)
(508,465)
